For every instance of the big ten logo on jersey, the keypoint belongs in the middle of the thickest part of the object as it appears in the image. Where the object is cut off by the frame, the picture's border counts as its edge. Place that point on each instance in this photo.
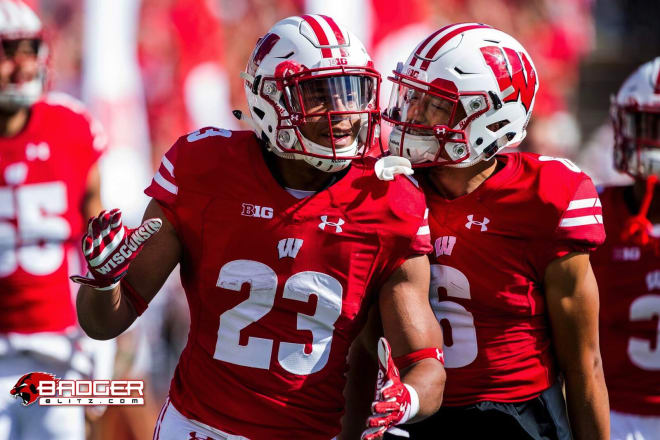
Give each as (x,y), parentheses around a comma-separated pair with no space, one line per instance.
(250,210)
(32,227)
(626,253)
(444,245)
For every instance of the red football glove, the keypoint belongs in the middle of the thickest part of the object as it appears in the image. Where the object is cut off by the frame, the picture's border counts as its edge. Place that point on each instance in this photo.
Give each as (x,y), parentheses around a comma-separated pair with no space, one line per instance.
(109,247)
(394,404)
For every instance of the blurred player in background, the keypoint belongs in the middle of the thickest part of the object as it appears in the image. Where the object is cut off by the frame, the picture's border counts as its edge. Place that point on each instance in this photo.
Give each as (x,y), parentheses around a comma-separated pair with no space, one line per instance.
(284,240)
(511,282)
(627,267)
(49,185)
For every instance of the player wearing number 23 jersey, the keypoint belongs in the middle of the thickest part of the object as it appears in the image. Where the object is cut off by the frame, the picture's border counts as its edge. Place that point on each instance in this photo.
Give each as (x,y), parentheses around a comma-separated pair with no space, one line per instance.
(276,285)
(285,238)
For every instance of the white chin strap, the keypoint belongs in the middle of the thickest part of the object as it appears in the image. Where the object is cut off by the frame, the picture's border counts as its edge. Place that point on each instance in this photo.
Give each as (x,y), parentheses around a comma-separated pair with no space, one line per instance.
(326,165)
(420,149)
(24,95)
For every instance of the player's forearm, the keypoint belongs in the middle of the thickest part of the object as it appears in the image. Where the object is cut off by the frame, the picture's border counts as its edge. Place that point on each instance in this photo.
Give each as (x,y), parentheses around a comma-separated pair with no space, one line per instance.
(587,401)
(359,391)
(428,378)
(103,314)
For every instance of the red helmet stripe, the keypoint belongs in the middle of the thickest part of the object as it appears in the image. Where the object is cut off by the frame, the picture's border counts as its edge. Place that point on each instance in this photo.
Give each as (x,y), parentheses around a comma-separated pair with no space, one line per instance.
(326,52)
(441,42)
(657,83)
(338,33)
(427,41)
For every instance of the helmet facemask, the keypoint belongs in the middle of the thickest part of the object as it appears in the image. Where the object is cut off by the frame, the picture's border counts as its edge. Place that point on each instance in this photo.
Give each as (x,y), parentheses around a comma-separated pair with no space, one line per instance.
(325,116)
(21,91)
(429,120)
(637,140)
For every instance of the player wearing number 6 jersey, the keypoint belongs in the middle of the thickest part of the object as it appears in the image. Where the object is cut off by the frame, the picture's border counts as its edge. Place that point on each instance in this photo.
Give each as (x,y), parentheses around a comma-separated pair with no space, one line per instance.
(49,185)
(511,282)
(284,240)
(627,267)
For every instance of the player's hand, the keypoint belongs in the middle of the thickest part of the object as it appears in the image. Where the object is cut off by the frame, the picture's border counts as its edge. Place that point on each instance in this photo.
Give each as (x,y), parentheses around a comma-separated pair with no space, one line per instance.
(109,247)
(392,403)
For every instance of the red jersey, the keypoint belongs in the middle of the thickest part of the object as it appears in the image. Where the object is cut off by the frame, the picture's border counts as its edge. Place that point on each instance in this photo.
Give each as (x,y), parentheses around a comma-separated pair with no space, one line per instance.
(629,284)
(491,250)
(277,286)
(43,179)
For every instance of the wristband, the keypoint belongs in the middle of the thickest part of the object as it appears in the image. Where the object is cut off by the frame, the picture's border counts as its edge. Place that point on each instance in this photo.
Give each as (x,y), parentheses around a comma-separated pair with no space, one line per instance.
(414,404)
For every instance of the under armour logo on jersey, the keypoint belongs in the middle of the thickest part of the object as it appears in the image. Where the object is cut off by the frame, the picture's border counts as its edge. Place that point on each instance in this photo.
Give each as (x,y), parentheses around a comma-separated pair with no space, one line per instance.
(444,245)
(653,280)
(325,222)
(289,247)
(39,151)
(478,223)
(250,210)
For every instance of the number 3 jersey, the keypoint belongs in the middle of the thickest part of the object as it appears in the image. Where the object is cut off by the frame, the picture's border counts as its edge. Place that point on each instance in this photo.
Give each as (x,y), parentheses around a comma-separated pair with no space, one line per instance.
(278,287)
(628,278)
(43,179)
(492,247)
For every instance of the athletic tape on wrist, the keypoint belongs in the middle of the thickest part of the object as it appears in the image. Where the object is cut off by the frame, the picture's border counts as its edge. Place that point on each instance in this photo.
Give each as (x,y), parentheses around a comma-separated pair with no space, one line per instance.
(414,404)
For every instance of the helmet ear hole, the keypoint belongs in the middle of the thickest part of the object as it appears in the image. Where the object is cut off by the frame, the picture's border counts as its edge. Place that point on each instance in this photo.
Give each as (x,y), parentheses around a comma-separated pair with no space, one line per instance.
(495,126)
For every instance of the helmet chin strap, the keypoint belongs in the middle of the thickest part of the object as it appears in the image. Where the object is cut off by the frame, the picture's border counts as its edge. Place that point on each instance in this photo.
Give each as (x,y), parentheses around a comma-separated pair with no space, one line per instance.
(327,165)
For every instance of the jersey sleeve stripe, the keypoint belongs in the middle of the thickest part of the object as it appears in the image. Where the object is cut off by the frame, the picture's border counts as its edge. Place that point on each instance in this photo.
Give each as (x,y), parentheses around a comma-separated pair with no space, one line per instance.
(168,165)
(426,213)
(584,203)
(423,230)
(581,221)
(166,185)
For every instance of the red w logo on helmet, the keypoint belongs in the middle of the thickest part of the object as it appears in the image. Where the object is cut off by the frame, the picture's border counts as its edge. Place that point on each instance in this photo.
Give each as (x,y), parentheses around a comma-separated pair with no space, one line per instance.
(520,82)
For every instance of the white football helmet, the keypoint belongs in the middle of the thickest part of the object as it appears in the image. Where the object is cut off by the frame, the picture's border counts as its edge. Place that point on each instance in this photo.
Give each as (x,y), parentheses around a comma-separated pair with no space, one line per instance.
(635,112)
(310,77)
(466,92)
(19,22)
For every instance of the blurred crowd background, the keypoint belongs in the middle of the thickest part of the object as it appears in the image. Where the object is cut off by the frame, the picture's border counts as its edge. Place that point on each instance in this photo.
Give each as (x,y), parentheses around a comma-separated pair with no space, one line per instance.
(153,70)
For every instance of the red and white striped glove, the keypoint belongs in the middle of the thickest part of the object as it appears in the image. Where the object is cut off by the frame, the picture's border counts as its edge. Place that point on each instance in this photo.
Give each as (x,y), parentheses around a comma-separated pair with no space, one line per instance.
(395,402)
(109,247)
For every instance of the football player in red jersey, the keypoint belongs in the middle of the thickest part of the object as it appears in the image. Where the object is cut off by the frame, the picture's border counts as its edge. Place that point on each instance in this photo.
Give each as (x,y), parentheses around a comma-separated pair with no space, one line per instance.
(511,282)
(49,185)
(284,240)
(627,267)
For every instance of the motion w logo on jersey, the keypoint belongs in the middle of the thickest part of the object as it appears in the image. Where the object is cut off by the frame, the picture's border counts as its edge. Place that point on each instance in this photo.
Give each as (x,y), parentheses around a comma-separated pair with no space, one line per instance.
(444,245)
(289,247)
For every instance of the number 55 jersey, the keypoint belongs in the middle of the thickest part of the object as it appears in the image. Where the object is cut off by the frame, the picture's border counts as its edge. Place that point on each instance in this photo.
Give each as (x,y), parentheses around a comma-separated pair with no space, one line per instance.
(492,247)
(278,287)
(43,180)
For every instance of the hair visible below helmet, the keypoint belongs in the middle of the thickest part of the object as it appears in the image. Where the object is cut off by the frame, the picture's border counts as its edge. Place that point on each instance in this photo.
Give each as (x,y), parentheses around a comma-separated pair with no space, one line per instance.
(465,92)
(635,112)
(19,22)
(305,69)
